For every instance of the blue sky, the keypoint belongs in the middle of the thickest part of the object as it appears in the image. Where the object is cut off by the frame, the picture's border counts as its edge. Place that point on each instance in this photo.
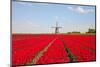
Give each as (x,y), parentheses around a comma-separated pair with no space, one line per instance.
(28,17)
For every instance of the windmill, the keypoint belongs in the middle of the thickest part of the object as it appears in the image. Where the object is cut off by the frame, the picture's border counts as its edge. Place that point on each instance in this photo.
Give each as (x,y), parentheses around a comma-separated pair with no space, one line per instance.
(56,28)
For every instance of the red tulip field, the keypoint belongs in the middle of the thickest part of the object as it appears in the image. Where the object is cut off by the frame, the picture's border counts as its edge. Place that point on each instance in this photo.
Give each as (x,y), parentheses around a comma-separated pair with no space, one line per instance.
(32,49)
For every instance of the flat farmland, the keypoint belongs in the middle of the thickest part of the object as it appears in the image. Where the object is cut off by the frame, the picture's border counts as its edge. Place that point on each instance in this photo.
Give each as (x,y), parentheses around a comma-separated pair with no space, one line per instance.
(32,49)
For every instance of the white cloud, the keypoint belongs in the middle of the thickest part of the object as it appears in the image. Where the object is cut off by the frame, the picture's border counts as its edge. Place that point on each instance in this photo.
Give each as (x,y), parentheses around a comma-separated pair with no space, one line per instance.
(81,10)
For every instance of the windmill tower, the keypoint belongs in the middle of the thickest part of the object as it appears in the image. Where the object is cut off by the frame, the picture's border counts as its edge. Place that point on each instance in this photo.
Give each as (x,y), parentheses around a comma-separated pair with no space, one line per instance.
(57,28)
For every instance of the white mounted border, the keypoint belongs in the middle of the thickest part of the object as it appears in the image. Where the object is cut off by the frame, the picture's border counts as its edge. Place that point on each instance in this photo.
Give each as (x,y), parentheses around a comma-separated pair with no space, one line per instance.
(89,2)
(5,33)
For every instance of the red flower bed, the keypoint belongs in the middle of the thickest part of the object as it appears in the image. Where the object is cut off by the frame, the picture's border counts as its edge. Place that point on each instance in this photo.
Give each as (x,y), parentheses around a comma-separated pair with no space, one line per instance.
(49,48)
(55,54)
(26,50)
(79,48)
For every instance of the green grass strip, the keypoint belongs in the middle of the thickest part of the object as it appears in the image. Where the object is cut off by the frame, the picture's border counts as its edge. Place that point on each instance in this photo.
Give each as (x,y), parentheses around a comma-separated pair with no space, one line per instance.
(36,58)
(70,55)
